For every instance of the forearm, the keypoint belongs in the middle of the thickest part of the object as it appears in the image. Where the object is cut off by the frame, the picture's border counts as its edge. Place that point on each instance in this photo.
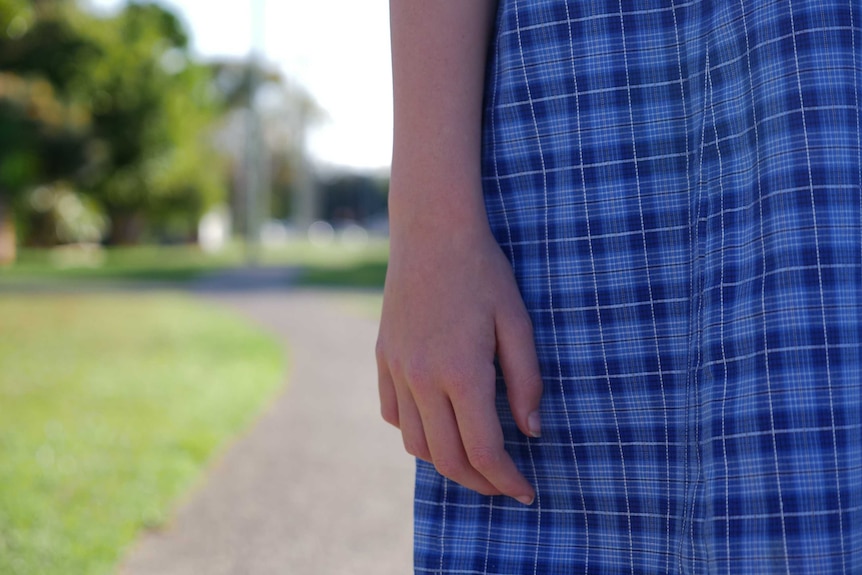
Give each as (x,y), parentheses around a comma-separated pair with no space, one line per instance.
(439,49)
(450,304)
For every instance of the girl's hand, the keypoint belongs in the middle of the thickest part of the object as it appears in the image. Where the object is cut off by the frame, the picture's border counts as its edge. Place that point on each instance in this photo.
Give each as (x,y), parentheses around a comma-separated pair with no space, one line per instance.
(450,305)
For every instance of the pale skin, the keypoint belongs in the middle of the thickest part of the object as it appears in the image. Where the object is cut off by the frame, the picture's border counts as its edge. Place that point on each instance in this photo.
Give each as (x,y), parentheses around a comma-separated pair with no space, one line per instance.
(450,303)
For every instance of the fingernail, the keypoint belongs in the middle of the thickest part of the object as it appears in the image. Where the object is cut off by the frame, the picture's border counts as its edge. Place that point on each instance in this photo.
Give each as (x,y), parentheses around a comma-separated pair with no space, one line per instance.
(534,424)
(526,500)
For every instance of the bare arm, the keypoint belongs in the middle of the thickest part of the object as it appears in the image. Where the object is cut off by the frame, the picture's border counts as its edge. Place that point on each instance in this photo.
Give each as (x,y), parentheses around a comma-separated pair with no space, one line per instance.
(438,56)
(450,302)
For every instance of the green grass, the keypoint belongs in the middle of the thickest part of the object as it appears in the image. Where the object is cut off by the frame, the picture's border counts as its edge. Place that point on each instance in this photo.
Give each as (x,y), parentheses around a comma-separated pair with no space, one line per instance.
(147,263)
(335,264)
(110,406)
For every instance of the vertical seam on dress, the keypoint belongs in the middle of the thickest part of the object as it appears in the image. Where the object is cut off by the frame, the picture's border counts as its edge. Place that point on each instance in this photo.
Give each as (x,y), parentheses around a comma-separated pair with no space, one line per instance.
(687,151)
(822,311)
(723,357)
(762,245)
(694,314)
(550,291)
(646,266)
(592,262)
(696,383)
(690,509)
(721,316)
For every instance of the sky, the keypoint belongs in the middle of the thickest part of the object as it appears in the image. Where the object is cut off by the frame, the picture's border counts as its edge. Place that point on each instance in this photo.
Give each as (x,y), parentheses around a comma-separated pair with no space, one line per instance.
(337,49)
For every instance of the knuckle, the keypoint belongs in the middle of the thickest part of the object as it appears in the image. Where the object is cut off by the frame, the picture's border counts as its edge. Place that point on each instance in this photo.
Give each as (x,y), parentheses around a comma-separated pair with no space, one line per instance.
(460,381)
(483,458)
(418,374)
(459,388)
(449,467)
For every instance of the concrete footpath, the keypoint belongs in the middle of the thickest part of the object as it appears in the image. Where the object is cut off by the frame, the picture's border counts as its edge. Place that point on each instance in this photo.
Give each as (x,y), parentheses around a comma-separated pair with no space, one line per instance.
(319,485)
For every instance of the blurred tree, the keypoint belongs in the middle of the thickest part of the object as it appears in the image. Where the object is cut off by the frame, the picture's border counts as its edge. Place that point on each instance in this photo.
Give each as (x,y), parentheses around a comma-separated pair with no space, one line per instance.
(151,107)
(112,115)
(114,106)
(42,131)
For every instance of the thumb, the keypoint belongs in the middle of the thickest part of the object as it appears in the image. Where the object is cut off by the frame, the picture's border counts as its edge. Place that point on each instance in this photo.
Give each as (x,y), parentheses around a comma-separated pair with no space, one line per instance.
(516,352)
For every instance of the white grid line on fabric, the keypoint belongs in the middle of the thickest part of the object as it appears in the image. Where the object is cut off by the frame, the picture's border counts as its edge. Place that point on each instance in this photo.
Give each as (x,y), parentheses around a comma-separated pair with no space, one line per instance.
(822,296)
(443,522)
(737,358)
(626,375)
(715,438)
(626,161)
(593,19)
(613,406)
(858,130)
(728,63)
(828,53)
(649,285)
(488,536)
(538,508)
(762,6)
(783,349)
(658,231)
(643,232)
(777,233)
(768,378)
(646,515)
(589,240)
(637,304)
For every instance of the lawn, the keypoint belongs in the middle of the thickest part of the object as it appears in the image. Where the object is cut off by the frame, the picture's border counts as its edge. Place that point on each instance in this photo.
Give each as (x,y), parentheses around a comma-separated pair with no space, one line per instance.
(333,264)
(110,407)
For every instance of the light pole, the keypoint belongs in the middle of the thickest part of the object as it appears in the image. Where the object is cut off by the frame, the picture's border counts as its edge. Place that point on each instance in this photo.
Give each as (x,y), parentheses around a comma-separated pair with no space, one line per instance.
(255,153)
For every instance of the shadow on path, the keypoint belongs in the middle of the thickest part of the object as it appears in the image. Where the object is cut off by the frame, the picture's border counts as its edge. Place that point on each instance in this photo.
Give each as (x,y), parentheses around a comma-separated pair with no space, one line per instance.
(246,280)
(237,280)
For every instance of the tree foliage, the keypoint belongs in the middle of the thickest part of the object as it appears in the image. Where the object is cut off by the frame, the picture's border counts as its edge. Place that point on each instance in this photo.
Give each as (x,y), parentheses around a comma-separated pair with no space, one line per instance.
(114,107)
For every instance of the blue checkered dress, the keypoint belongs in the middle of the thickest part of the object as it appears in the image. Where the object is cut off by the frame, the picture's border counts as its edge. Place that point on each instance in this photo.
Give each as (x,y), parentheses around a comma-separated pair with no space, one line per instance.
(678,187)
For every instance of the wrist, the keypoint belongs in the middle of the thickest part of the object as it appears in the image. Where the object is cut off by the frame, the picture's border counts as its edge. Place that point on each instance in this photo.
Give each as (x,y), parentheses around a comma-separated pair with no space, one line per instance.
(431,215)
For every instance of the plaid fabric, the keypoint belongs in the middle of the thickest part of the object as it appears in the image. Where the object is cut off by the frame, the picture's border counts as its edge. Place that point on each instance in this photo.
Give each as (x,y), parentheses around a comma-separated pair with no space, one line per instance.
(678,187)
